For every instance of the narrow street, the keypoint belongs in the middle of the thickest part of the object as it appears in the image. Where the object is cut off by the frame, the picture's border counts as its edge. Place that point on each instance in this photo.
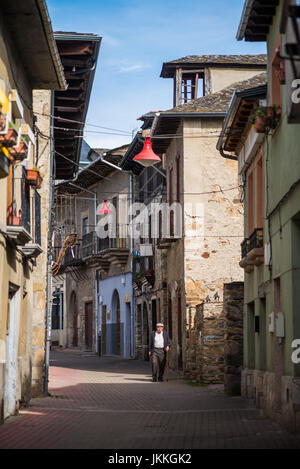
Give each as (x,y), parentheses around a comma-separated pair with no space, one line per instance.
(112,403)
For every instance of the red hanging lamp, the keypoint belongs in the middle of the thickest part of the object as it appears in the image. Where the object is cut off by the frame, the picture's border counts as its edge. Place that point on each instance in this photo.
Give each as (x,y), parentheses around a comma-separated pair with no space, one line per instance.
(104,209)
(147,157)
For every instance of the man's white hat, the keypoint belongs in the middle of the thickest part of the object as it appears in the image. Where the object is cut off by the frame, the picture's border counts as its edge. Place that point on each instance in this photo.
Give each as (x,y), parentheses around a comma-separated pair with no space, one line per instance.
(159,324)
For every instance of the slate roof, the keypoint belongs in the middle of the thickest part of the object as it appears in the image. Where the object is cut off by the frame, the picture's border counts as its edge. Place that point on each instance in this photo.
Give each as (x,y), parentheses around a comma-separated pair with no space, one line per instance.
(258,59)
(190,62)
(218,102)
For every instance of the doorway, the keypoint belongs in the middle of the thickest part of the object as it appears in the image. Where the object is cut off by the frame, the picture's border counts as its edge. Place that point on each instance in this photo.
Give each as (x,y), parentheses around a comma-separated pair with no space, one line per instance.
(116,337)
(74,320)
(128,331)
(103,329)
(88,313)
(12,335)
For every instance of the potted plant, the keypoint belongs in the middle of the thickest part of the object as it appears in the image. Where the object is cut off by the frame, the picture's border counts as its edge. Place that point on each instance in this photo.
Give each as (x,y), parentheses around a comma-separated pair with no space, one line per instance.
(10,138)
(13,219)
(19,153)
(33,177)
(265,117)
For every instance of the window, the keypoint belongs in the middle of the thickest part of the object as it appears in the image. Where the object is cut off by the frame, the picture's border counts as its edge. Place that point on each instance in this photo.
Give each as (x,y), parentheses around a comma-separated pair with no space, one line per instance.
(260,191)
(171,186)
(171,201)
(178,178)
(85,226)
(250,201)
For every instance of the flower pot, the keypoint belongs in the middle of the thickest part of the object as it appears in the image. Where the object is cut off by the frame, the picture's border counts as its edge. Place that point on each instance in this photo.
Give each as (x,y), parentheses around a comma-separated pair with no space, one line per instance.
(10,138)
(20,153)
(260,124)
(33,177)
(39,182)
(14,220)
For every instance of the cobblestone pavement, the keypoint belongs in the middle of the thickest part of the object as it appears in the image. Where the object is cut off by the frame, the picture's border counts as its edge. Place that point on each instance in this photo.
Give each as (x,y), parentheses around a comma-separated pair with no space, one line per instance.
(108,402)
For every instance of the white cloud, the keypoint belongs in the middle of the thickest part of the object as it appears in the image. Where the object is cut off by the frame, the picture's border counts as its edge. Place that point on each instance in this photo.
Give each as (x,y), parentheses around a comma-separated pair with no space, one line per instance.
(110,40)
(134,68)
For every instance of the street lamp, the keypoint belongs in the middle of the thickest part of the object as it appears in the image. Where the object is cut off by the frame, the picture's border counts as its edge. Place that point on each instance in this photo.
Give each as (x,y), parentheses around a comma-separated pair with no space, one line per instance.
(104,209)
(147,157)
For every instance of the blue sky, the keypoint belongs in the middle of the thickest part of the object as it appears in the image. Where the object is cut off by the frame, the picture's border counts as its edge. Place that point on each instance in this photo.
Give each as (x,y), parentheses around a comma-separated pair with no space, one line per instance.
(138,37)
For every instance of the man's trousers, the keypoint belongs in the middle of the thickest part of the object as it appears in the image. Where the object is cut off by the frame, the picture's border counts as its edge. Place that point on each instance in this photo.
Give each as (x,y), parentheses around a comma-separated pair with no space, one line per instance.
(158,358)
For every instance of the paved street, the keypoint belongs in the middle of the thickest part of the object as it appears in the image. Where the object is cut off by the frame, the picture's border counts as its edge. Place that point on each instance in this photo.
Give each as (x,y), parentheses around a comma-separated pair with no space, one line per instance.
(112,403)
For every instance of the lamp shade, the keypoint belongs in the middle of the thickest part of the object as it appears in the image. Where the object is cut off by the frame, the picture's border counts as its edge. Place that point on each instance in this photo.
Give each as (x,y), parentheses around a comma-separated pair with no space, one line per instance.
(104,209)
(147,157)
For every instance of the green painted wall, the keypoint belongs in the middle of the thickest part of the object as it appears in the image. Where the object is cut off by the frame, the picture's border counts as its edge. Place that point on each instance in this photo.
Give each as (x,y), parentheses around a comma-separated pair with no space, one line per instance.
(282,170)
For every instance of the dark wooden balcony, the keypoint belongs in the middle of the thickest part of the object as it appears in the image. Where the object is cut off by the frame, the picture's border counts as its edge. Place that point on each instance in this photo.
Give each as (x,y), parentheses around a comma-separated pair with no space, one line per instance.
(252,250)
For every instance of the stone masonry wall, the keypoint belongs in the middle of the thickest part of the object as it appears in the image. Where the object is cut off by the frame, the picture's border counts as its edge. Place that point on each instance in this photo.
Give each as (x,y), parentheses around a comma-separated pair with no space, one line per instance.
(233,335)
(205,344)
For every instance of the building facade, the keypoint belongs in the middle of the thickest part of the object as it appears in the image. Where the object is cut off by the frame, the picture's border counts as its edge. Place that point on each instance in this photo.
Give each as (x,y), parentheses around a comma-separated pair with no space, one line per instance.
(94,283)
(268,159)
(27,70)
(200,225)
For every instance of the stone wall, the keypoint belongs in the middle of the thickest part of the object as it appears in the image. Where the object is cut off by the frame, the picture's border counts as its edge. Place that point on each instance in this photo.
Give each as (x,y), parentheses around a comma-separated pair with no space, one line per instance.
(233,336)
(214,344)
(205,343)
(41,105)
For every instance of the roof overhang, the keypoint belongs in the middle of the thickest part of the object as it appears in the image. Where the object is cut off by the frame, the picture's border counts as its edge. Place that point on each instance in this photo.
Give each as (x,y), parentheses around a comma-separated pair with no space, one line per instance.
(135,147)
(236,121)
(95,172)
(169,68)
(79,55)
(30,28)
(168,123)
(257,17)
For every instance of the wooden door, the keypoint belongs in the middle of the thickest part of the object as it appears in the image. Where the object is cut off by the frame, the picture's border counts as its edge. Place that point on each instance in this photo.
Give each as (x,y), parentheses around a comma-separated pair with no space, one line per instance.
(88,324)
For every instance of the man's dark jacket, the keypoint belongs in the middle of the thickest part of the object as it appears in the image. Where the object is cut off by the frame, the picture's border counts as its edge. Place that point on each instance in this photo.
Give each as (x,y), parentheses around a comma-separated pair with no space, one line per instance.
(167,342)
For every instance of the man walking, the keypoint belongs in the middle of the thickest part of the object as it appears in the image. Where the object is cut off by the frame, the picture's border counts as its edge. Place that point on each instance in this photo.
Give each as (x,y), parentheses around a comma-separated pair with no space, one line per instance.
(159,347)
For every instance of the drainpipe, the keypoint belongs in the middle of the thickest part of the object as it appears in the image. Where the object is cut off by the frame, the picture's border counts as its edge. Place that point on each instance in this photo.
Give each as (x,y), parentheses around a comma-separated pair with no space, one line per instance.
(49,255)
(227,155)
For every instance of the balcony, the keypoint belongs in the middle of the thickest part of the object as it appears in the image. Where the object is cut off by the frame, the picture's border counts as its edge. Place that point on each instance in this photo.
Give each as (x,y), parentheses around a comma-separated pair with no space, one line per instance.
(253,250)
(101,252)
(72,257)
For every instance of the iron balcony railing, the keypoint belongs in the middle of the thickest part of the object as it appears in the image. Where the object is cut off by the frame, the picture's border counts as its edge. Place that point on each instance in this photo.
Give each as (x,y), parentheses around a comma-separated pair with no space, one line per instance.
(255,240)
(92,244)
(244,247)
(72,257)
